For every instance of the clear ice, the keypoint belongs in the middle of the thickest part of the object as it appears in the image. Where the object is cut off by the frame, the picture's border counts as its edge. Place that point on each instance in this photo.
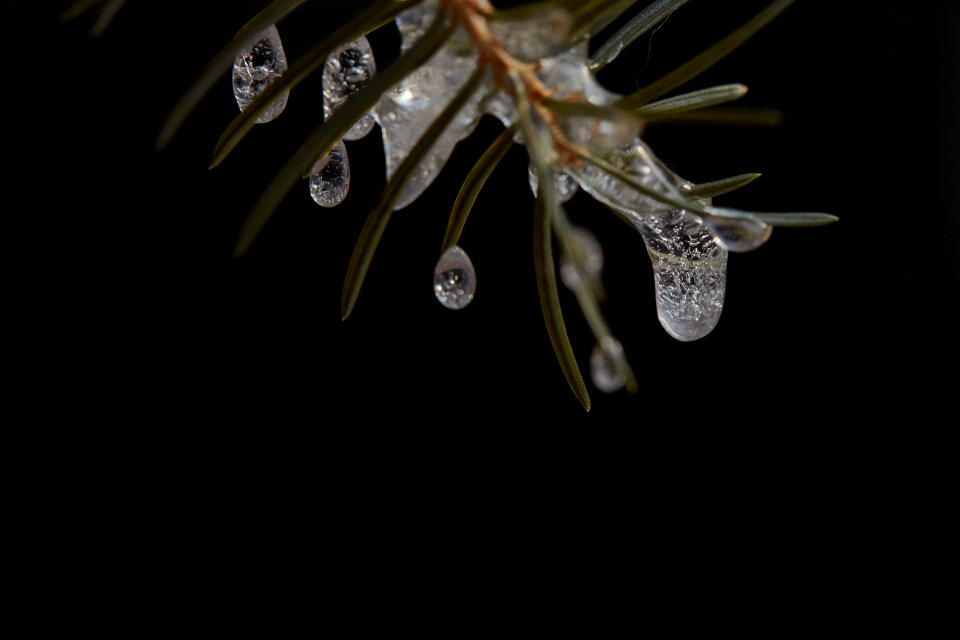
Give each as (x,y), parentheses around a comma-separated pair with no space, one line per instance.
(347,70)
(588,267)
(689,271)
(636,161)
(330,177)
(414,22)
(407,110)
(602,372)
(690,268)
(566,186)
(256,66)
(530,38)
(738,234)
(454,279)
(569,74)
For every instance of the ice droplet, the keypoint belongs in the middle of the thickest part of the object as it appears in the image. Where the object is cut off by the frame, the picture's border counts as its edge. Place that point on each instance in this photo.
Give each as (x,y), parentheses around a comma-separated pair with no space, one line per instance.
(738,234)
(603,373)
(454,279)
(330,177)
(588,265)
(256,66)
(347,70)
(566,186)
(689,271)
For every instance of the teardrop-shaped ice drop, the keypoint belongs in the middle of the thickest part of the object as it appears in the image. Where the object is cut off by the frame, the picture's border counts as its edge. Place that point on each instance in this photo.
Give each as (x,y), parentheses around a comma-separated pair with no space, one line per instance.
(603,373)
(454,279)
(689,271)
(255,67)
(330,177)
(347,70)
(566,186)
(738,234)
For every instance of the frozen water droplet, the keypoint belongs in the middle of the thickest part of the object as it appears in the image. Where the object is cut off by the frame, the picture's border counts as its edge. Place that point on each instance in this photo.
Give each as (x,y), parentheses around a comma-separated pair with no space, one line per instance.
(454,279)
(689,271)
(347,70)
(566,186)
(603,373)
(587,266)
(738,234)
(330,177)
(407,110)
(256,66)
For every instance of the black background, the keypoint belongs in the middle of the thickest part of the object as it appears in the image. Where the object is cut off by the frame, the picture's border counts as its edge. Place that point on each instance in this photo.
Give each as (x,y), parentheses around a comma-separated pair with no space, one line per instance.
(820,407)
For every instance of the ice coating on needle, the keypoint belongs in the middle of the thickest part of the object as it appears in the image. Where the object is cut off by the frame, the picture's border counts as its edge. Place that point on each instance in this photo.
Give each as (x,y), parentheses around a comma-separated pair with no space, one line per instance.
(637,162)
(256,66)
(738,234)
(347,70)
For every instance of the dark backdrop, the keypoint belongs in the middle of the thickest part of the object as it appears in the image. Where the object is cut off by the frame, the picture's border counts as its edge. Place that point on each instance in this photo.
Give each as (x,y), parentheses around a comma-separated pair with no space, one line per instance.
(820,406)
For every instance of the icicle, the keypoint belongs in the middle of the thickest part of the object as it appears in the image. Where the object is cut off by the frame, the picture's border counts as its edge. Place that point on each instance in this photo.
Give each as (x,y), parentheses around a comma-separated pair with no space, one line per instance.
(690,273)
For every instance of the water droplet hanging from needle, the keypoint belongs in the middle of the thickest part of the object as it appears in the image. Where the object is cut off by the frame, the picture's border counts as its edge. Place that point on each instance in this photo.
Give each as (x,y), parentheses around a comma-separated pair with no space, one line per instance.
(347,70)
(257,65)
(330,177)
(454,279)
